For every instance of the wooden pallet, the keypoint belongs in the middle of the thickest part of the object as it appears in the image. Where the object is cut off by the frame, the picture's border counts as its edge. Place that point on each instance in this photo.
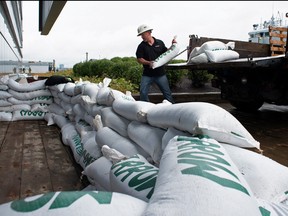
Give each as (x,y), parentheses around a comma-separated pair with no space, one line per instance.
(277,46)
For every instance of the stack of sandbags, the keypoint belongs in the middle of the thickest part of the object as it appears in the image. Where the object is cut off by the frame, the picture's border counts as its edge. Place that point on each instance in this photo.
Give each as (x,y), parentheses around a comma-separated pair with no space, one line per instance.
(22,100)
(180,158)
(213,51)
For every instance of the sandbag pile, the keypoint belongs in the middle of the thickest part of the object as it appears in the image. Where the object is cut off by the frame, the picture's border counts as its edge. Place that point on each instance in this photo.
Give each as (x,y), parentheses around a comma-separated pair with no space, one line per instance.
(23,101)
(213,51)
(178,159)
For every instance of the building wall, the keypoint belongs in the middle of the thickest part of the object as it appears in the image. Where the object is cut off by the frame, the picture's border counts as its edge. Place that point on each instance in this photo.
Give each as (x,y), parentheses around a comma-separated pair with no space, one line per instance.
(11,37)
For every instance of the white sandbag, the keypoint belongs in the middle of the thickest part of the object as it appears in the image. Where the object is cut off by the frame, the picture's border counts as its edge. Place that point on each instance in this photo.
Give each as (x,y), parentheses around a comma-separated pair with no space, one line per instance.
(170,133)
(202,118)
(221,55)
(75,203)
(64,97)
(5,94)
(4,103)
(77,99)
(148,138)
(27,115)
(167,56)
(201,58)
(49,119)
(272,208)
(98,173)
(76,146)
(4,79)
(91,150)
(36,100)
(91,90)
(12,108)
(57,109)
(4,87)
(112,154)
(58,87)
(89,119)
(24,87)
(197,177)
(69,89)
(67,107)
(132,110)
(267,178)
(68,130)
(107,136)
(60,120)
(214,45)
(115,121)
(193,53)
(134,176)
(91,106)
(6,116)
(29,95)
(106,96)
(40,107)
(83,127)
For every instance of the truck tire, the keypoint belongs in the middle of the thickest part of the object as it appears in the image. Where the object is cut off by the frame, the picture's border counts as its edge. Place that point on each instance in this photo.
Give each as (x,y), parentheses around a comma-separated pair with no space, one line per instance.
(250,106)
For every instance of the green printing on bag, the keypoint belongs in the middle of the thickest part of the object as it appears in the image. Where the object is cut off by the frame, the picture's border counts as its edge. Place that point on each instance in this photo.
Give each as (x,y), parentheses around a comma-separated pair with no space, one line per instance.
(78,145)
(87,158)
(165,53)
(208,158)
(63,199)
(31,113)
(140,183)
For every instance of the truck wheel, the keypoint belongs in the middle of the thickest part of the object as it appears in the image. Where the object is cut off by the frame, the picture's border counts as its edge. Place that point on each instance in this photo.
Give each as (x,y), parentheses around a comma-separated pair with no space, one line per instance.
(247,106)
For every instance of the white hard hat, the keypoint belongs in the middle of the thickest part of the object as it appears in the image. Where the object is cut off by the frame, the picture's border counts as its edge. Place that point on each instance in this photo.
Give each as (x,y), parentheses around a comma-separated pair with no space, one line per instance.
(143,28)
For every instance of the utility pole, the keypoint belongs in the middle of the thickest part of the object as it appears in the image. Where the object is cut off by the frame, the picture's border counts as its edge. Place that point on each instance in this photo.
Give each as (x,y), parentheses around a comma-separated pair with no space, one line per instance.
(86,56)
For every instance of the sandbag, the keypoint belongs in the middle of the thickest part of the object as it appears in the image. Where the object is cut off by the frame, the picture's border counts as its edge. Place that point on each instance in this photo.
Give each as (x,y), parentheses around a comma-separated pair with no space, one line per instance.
(201,58)
(98,173)
(107,136)
(75,203)
(134,176)
(24,87)
(197,177)
(115,121)
(221,55)
(267,178)
(167,56)
(132,110)
(147,137)
(202,118)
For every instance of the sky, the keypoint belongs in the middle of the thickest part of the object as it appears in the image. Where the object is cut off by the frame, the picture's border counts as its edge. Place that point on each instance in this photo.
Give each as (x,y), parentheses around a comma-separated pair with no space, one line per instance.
(107,29)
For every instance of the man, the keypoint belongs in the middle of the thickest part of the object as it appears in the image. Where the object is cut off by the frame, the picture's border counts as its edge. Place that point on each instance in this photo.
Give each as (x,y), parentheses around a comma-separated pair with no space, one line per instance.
(147,51)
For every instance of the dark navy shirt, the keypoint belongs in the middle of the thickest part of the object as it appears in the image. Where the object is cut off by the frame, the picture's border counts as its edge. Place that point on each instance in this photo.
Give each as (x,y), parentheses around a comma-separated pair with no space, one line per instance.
(150,53)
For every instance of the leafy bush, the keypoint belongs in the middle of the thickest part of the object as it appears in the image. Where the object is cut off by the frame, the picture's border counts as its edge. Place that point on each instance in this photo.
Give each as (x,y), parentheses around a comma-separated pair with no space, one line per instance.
(174,76)
(199,77)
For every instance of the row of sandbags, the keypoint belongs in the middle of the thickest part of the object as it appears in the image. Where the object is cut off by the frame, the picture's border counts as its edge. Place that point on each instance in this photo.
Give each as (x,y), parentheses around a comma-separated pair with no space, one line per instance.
(126,127)
(213,51)
(23,101)
(185,158)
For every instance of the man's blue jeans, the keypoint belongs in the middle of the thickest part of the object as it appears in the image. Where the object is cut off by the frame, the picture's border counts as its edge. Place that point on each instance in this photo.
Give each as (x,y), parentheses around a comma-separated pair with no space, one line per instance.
(161,82)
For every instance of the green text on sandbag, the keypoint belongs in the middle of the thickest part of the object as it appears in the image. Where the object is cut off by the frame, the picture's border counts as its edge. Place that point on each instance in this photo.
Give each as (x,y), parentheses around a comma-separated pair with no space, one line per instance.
(64,199)
(206,157)
(138,181)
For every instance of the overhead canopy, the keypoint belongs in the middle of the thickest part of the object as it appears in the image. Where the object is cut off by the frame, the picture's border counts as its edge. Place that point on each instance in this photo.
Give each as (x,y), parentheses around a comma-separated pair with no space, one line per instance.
(48,13)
